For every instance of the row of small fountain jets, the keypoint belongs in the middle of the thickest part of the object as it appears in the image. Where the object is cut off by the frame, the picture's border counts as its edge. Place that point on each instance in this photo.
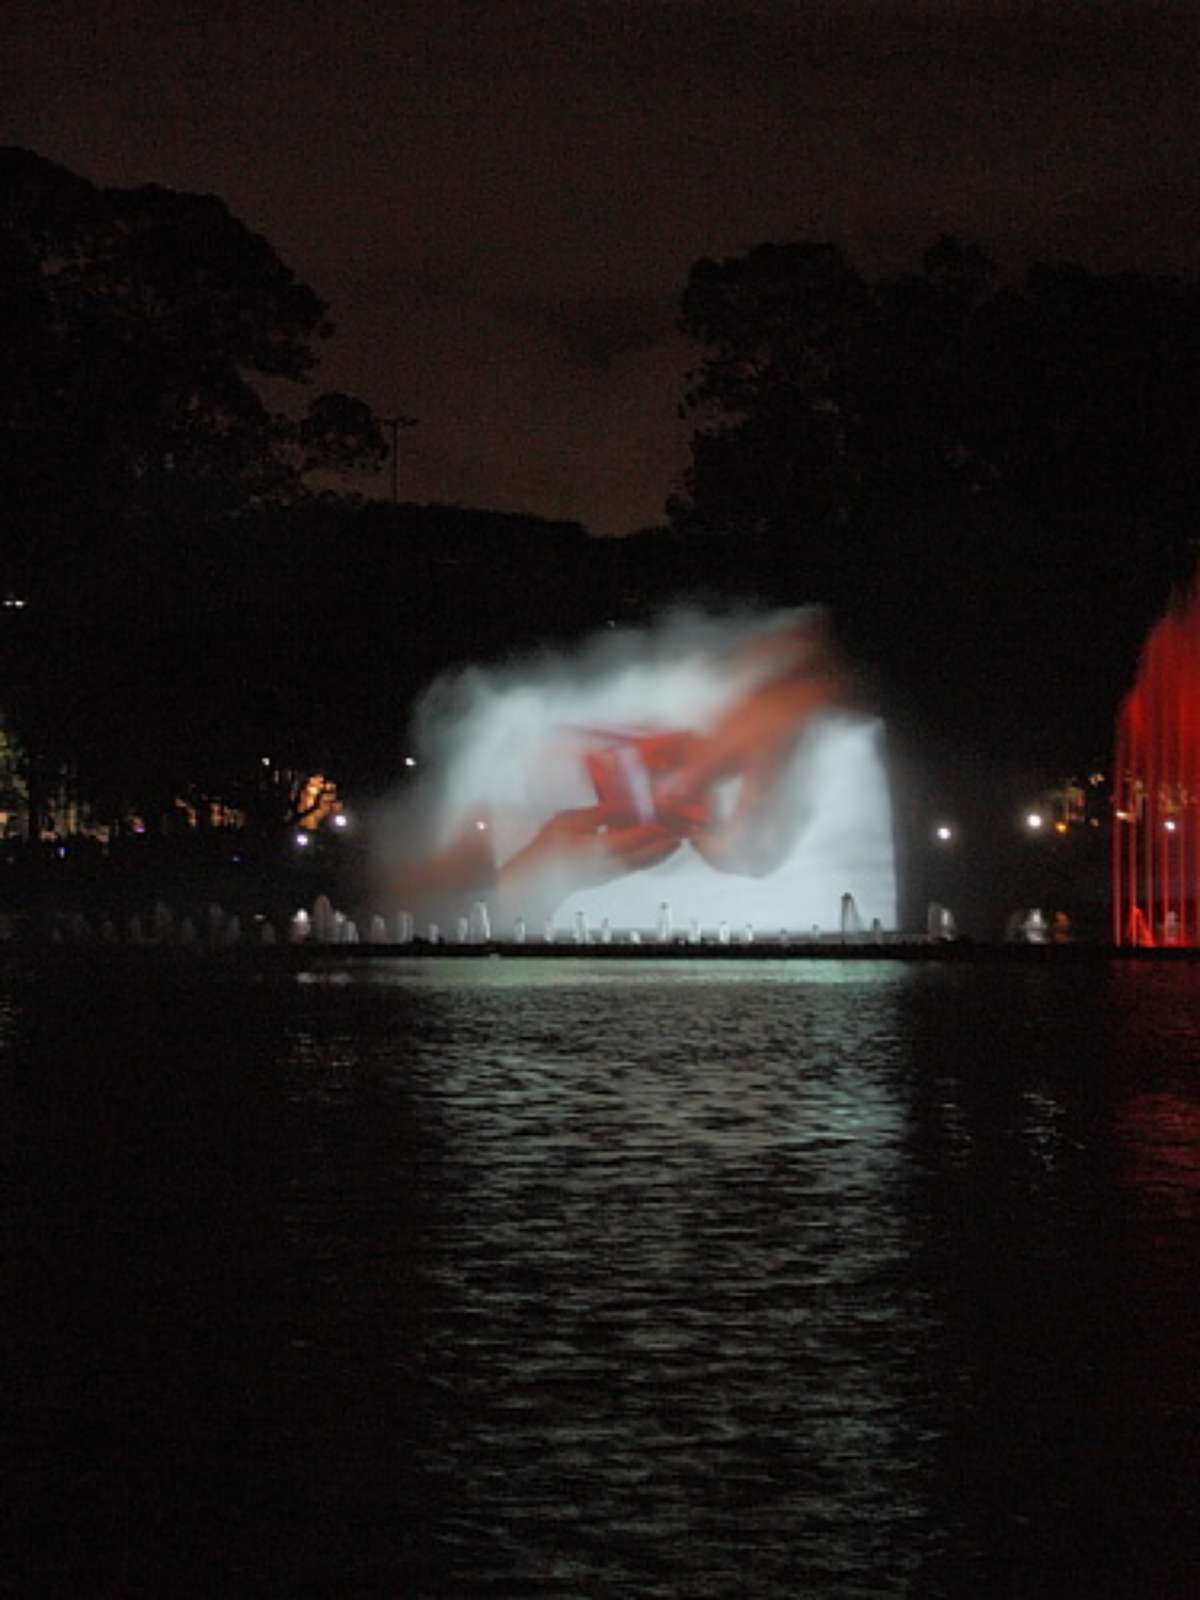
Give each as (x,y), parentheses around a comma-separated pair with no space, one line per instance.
(327,926)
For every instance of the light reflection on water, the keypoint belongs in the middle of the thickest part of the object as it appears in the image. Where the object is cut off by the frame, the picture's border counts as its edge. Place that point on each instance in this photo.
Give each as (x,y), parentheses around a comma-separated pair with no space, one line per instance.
(670,1236)
(591,1278)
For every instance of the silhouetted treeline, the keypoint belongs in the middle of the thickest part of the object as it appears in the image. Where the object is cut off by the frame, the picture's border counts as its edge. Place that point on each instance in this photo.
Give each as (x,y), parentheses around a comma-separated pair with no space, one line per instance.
(994,484)
(994,459)
(991,484)
(302,634)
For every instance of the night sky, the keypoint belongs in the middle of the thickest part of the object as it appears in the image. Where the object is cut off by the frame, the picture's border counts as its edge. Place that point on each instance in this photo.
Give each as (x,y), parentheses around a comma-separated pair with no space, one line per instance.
(501,200)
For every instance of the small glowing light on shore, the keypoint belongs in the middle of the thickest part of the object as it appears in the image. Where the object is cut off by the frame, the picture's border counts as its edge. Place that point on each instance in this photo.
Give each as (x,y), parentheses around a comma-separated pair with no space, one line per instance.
(1034,820)
(341,820)
(1060,827)
(1124,816)
(302,840)
(410,761)
(944,832)
(1169,824)
(482,826)
(266,761)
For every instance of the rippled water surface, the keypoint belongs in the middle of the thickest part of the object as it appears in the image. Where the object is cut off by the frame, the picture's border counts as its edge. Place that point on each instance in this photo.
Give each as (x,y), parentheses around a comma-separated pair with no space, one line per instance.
(569,1279)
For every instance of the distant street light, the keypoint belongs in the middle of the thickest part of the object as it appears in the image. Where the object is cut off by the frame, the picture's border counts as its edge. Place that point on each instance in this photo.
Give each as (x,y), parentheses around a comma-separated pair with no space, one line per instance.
(1034,821)
(944,833)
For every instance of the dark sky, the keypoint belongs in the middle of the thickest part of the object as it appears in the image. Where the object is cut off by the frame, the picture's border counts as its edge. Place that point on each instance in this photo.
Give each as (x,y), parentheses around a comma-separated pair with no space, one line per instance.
(501,199)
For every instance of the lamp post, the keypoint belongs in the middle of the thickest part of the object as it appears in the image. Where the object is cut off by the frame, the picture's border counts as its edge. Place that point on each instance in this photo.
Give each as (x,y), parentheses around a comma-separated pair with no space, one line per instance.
(395,424)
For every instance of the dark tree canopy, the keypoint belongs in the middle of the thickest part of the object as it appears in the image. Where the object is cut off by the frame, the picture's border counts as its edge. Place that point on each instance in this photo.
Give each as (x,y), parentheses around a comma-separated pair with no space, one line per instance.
(939,436)
(783,327)
(151,340)
(994,483)
(148,333)
(821,397)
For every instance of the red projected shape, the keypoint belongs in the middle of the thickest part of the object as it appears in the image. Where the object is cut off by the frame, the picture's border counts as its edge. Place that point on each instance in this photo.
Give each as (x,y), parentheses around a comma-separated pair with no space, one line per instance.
(627,773)
(1156,821)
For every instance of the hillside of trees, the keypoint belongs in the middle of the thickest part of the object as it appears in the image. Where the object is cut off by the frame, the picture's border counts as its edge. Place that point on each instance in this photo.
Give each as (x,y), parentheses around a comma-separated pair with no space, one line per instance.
(990,483)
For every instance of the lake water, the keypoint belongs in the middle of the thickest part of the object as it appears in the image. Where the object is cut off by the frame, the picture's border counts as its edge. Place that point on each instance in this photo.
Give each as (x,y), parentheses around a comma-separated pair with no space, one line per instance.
(537,1278)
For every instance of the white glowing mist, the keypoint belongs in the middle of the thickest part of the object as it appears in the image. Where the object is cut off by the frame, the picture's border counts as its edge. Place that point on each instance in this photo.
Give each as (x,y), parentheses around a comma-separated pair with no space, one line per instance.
(497,749)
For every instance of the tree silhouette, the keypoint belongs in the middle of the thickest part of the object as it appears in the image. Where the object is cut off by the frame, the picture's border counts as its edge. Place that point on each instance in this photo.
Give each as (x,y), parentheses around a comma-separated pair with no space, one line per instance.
(820,397)
(151,339)
(994,483)
(149,329)
(772,400)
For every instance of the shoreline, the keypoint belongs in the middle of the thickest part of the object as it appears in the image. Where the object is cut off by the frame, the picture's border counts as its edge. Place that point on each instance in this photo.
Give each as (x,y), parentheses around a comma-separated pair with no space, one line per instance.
(310,953)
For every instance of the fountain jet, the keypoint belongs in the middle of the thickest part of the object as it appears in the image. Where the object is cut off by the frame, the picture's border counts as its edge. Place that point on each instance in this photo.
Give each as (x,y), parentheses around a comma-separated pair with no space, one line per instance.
(721,767)
(1156,792)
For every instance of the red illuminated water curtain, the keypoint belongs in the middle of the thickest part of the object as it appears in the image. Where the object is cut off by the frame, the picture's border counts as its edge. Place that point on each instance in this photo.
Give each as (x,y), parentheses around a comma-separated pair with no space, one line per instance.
(1156,798)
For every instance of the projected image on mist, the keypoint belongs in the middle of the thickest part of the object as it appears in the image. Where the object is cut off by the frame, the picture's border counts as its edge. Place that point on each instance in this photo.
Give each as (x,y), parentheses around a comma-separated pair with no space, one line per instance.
(720,768)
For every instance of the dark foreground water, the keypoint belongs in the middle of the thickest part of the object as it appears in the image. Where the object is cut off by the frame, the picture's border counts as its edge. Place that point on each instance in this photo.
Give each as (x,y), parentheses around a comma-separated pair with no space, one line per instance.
(542,1279)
